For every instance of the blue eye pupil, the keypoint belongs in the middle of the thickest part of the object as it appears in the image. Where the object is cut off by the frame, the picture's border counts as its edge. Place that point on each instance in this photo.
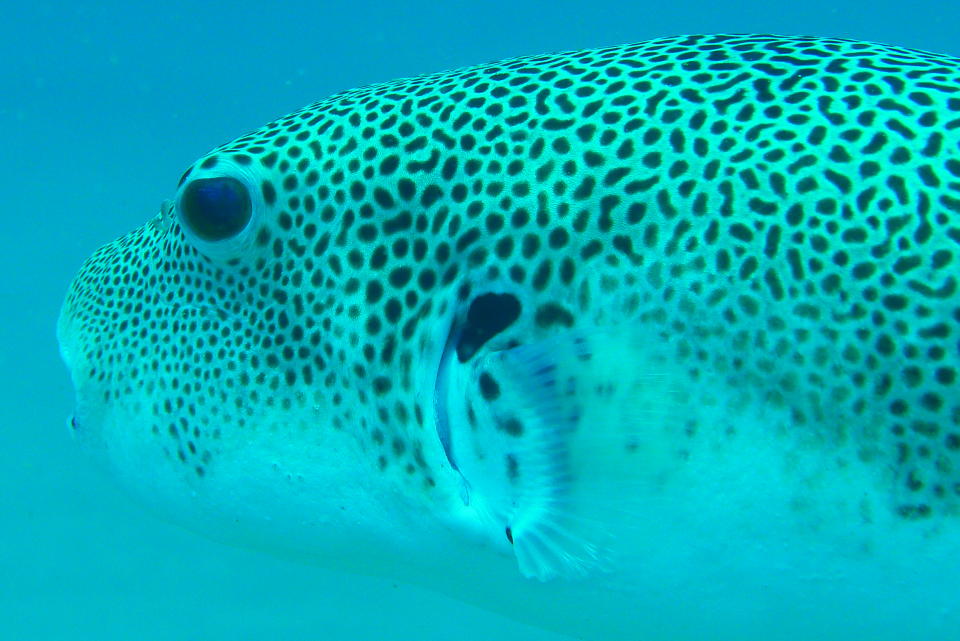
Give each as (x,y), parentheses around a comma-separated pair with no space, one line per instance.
(216,208)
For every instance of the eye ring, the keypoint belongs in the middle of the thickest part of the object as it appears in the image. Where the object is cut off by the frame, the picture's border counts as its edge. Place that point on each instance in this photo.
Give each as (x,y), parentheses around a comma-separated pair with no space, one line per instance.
(218,208)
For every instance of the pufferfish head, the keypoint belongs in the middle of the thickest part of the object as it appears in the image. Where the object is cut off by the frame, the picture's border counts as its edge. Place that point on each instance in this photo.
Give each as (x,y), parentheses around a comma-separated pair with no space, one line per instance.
(263,351)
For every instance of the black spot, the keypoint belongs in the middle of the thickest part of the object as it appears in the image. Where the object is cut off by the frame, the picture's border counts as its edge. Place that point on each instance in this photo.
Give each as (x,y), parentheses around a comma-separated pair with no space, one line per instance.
(513,468)
(393,310)
(400,276)
(269,193)
(381,385)
(552,314)
(389,164)
(512,426)
(542,275)
(489,388)
(374,291)
(488,315)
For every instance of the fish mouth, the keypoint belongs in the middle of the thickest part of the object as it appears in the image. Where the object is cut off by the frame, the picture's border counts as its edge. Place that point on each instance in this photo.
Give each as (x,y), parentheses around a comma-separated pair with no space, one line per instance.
(63,332)
(80,434)
(69,336)
(85,432)
(81,427)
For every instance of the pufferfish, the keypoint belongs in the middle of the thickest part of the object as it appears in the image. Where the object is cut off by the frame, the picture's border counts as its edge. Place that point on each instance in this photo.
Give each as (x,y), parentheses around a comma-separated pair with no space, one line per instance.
(656,341)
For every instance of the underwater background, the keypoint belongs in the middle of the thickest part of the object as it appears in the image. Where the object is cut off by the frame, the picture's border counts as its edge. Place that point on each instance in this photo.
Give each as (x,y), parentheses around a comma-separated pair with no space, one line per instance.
(103,106)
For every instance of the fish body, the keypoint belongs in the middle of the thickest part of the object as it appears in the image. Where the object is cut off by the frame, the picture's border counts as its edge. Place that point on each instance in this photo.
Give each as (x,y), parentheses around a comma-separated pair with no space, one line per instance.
(653,341)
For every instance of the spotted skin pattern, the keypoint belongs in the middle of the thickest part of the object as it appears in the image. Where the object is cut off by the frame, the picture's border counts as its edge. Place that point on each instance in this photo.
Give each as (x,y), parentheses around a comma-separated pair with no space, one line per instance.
(787,209)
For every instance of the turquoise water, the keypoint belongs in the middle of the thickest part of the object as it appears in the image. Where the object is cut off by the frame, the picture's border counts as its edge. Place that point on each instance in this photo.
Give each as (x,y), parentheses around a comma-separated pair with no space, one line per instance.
(105,104)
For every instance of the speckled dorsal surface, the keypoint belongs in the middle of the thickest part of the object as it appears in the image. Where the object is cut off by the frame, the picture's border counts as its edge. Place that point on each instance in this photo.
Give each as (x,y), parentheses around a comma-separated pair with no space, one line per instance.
(781,216)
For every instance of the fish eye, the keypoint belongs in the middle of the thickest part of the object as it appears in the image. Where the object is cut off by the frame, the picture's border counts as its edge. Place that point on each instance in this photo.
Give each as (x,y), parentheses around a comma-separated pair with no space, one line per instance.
(215,209)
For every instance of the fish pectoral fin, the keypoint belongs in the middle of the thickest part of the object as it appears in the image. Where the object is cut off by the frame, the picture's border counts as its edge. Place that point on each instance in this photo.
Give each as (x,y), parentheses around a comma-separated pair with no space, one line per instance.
(538,424)
(548,444)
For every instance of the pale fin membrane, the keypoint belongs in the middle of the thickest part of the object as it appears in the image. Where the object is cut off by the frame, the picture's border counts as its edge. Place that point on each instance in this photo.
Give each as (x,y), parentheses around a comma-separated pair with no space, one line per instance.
(547,440)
